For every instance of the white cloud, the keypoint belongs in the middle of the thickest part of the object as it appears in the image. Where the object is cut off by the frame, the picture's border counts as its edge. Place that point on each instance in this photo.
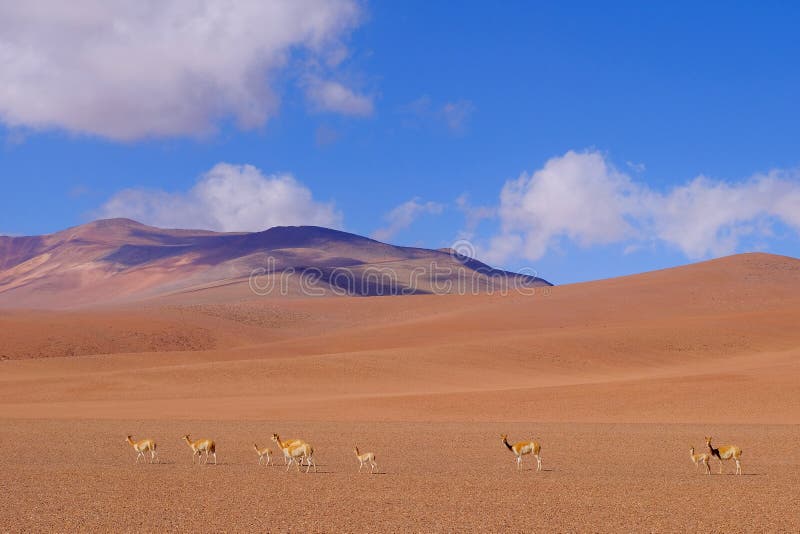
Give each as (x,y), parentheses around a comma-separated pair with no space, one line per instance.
(334,97)
(577,196)
(636,167)
(127,70)
(708,217)
(227,198)
(404,215)
(454,115)
(473,215)
(582,198)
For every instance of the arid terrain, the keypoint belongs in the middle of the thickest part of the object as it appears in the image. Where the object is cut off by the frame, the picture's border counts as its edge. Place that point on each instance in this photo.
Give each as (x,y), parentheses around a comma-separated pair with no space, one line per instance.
(616,378)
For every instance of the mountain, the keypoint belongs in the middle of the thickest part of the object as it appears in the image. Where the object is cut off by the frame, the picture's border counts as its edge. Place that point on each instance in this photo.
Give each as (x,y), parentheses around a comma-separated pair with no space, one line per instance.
(120,260)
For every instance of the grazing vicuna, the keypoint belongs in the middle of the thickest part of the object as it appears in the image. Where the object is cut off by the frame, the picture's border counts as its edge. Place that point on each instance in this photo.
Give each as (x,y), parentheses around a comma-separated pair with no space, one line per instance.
(366,458)
(725,452)
(202,446)
(266,452)
(142,446)
(699,459)
(522,448)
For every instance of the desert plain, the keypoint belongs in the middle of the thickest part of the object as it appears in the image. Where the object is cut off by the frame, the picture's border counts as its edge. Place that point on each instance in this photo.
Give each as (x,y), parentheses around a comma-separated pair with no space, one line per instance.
(615,378)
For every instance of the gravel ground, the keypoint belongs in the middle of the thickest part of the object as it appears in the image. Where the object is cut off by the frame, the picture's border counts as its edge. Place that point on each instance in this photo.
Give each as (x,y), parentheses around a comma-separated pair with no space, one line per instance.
(60,475)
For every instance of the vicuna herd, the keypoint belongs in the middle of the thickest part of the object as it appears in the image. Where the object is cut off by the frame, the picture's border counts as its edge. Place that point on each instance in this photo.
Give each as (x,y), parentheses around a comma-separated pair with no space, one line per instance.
(298,452)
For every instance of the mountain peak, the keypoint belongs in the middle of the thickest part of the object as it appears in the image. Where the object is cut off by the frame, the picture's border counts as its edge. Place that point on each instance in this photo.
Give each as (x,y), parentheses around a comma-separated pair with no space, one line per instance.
(113,260)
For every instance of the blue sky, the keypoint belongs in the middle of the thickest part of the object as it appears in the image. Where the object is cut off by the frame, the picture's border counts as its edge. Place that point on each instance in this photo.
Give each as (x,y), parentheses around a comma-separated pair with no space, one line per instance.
(578,139)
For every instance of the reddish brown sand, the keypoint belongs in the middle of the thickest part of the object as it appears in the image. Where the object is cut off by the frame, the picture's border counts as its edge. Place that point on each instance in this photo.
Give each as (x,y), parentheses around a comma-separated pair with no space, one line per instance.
(432,477)
(617,378)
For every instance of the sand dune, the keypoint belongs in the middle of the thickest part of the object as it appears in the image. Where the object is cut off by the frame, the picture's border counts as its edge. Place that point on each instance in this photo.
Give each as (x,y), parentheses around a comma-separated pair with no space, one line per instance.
(669,346)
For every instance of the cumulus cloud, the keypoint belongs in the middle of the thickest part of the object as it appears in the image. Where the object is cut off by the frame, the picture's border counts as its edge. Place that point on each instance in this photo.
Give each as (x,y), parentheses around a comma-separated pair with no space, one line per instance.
(227,198)
(330,96)
(581,197)
(127,70)
(404,215)
(709,217)
(577,196)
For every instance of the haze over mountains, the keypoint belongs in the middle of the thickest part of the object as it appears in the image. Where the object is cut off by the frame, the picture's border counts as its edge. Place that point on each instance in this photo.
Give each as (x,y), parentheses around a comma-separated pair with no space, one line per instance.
(120,260)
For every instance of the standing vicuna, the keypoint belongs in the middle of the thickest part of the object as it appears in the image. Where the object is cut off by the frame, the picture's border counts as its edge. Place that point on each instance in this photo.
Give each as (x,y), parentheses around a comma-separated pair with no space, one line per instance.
(522,448)
(285,445)
(263,453)
(366,458)
(699,459)
(296,453)
(303,453)
(142,446)
(725,452)
(200,446)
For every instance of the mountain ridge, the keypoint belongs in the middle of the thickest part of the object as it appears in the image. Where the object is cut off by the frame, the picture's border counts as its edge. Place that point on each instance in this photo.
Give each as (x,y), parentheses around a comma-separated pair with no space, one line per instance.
(113,260)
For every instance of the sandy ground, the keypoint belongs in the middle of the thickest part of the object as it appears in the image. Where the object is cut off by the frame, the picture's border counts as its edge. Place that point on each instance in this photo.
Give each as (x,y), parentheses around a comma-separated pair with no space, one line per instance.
(433,478)
(618,378)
